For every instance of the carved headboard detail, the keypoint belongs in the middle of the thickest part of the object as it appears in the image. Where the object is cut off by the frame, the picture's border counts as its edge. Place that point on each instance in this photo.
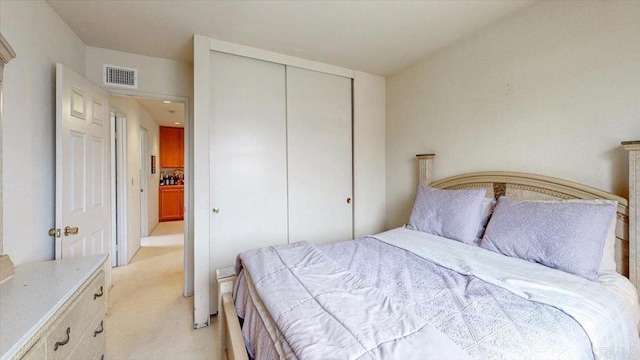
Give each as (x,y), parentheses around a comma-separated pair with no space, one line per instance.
(499,189)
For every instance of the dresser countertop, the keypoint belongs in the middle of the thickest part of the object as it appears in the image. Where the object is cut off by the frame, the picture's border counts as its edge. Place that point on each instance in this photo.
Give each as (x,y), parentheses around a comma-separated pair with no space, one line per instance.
(35,293)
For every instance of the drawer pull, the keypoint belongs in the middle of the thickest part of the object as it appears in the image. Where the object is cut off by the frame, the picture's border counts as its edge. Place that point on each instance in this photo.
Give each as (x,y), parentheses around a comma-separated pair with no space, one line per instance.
(64,342)
(100,329)
(98,294)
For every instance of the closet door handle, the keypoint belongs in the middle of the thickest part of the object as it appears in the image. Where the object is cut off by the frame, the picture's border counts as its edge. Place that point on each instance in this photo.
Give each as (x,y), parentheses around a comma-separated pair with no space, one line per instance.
(99,330)
(98,294)
(63,342)
(348,200)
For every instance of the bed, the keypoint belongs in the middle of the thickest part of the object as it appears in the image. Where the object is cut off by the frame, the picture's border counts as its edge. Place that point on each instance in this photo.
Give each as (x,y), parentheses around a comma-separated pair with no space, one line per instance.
(410,293)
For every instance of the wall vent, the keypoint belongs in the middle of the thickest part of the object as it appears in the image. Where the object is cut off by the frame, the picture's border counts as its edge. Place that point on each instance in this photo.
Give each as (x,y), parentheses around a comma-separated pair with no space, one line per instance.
(119,76)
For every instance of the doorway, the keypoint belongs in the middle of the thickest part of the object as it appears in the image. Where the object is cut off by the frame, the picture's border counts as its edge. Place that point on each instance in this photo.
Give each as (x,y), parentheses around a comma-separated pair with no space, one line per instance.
(144,170)
(119,210)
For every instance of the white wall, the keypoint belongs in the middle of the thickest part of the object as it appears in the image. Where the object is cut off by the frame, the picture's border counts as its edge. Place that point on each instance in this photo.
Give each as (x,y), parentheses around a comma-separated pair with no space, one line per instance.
(153,180)
(156,76)
(40,39)
(369,154)
(138,117)
(553,90)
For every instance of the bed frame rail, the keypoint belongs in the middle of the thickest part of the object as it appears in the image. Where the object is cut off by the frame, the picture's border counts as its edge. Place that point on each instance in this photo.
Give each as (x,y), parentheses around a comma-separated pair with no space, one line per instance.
(232,340)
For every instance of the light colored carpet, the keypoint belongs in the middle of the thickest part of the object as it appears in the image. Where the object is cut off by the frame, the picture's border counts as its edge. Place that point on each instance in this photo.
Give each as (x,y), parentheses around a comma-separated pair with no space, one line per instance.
(148,318)
(169,233)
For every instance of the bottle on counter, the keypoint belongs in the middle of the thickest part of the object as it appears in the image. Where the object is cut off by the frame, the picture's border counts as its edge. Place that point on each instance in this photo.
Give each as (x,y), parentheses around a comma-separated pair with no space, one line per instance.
(161,179)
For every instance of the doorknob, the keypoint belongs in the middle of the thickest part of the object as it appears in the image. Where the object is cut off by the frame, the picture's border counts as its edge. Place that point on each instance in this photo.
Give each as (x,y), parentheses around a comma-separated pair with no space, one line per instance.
(216,210)
(348,200)
(68,230)
(54,232)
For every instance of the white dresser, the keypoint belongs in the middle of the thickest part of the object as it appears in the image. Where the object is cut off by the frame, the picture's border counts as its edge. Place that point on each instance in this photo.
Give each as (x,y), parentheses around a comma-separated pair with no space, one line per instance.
(54,310)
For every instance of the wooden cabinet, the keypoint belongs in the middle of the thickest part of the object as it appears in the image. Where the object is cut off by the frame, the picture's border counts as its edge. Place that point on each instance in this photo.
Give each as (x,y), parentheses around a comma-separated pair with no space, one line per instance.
(171,147)
(65,321)
(171,199)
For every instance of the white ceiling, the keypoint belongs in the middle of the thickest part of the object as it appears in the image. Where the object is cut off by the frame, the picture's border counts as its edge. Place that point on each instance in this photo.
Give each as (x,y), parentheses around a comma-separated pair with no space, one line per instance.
(379,37)
(161,112)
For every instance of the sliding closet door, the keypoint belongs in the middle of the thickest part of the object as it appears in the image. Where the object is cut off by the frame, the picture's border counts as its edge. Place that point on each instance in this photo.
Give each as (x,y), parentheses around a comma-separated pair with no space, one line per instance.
(319,150)
(248,193)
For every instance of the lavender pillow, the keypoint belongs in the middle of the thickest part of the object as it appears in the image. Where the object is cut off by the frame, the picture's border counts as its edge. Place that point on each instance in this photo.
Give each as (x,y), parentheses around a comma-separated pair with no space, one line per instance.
(567,236)
(608,262)
(454,214)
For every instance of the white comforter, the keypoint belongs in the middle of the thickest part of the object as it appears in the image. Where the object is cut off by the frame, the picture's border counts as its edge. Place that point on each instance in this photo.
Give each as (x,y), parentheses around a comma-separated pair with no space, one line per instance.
(325,312)
(607,310)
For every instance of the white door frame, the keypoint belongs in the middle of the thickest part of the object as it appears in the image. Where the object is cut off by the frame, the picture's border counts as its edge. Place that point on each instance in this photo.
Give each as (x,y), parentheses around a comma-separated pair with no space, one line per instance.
(188,174)
(119,238)
(144,182)
(112,173)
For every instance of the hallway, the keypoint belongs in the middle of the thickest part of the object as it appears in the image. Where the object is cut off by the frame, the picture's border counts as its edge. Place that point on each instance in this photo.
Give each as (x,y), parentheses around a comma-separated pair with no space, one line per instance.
(148,318)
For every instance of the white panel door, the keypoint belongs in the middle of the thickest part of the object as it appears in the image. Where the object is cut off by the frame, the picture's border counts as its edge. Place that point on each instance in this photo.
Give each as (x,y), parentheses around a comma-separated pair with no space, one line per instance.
(248,158)
(83,209)
(320,171)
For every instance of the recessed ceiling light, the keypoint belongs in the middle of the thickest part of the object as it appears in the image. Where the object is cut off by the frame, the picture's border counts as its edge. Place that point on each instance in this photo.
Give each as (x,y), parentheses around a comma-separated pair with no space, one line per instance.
(177,123)
(166,101)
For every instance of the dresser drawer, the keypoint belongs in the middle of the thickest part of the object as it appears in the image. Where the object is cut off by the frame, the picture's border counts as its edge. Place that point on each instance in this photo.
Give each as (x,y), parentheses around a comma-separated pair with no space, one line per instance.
(43,299)
(92,341)
(66,333)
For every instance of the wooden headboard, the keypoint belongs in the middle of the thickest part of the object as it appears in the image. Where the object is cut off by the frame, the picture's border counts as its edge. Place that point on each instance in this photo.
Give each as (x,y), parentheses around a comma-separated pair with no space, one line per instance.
(525,186)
